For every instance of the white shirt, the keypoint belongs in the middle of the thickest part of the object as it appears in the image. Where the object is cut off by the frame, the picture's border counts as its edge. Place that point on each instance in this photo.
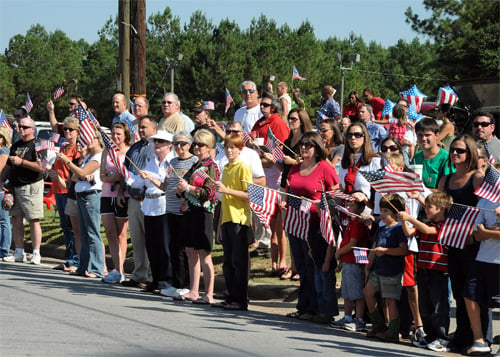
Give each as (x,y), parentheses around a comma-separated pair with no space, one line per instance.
(83,186)
(360,183)
(188,123)
(248,117)
(489,250)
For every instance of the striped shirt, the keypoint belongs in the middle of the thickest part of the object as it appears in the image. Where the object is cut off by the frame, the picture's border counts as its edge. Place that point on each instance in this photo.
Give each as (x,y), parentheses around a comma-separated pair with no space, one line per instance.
(432,255)
(181,168)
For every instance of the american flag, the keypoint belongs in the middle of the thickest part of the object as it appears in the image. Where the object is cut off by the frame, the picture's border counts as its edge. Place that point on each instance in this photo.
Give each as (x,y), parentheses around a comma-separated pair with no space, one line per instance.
(59,92)
(393,182)
(361,255)
(389,168)
(229,100)
(87,130)
(49,145)
(325,222)
(491,159)
(343,210)
(202,174)
(54,137)
(339,194)
(246,139)
(113,154)
(263,202)
(28,103)
(414,96)
(490,187)
(296,220)
(388,106)
(40,145)
(446,95)
(296,75)
(457,226)
(4,122)
(273,144)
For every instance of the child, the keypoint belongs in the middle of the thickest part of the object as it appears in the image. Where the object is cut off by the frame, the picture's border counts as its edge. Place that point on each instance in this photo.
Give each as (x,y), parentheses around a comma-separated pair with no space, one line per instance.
(432,274)
(386,268)
(353,275)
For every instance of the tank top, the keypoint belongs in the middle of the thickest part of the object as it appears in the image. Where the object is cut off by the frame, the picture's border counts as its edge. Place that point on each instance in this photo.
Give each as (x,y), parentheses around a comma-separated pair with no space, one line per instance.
(463,195)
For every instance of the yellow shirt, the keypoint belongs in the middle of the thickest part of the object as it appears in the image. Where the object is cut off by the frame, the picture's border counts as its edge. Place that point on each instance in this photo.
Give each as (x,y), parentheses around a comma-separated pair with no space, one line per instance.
(235,209)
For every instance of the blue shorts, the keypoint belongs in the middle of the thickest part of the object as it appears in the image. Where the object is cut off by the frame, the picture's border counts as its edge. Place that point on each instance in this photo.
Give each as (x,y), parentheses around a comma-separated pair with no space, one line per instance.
(483,284)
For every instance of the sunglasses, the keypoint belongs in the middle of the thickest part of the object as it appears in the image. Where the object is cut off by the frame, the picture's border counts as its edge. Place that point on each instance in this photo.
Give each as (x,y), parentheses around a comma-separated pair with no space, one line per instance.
(180,143)
(384,148)
(484,124)
(356,135)
(25,127)
(167,102)
(458,150)
(233,131)
(306,145)
(200,145)
(69,129)
(324,130)
(160,141)
(246,91)
(293,118)
(71,103)
(265,105)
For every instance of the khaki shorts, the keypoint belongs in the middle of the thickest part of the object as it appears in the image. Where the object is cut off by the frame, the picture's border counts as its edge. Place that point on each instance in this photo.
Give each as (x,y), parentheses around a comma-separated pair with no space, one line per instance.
(71,208)
(389,286)
(28,201)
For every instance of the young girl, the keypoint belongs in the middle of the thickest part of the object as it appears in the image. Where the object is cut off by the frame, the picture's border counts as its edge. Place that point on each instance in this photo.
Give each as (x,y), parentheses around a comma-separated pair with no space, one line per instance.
(402,128)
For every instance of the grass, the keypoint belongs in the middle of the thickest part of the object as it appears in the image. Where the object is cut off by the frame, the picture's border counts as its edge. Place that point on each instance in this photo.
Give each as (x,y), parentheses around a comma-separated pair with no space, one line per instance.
(261,266)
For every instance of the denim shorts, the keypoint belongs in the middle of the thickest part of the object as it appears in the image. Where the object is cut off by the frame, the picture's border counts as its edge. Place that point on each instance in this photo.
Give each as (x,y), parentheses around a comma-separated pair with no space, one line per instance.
(353,281)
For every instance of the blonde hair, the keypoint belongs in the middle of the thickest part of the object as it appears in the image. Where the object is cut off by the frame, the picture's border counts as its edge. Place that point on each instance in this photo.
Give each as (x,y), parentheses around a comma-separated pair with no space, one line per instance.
(72,122)
(206,137)
(5,134)
(396,159)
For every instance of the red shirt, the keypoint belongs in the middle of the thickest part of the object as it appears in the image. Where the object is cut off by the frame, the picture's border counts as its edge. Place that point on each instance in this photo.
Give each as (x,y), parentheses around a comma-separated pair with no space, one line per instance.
(354,230)
(63,169)
(277,125)
(377,104)
(351,111)
(432,255)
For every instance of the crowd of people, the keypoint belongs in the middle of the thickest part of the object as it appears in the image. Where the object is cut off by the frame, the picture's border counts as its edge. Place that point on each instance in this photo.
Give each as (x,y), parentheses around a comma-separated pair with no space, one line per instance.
(174,183)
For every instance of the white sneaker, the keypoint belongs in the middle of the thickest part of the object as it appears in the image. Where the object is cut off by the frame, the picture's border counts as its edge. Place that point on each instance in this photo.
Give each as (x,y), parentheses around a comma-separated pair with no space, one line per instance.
(439,345)
(114,277)
(169,292)
(18,258)
(182,291)
(356,325)
(35,259)
(340,323)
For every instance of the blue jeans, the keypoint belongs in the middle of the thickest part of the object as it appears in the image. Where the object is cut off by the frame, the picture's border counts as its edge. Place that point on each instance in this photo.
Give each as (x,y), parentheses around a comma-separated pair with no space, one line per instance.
(70,255)
(325,285)
(304,265)
(89,220)
(5,230)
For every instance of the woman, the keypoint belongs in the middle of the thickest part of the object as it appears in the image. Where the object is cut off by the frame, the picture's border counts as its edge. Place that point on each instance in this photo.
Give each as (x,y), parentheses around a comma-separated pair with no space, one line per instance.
(236,224)
(388,146)
(333,141)
(88,195)
(198,193)
(351,110)
(5,228)
(59,175)
(447,131)
(114,212)
(317,300)
(180,166)
(461,185)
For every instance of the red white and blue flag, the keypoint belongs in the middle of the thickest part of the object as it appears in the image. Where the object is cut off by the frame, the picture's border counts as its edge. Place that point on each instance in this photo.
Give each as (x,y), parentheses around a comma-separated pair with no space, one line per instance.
(491,159)
(28,103)
(446,95)
(229,100)
(113,155)
(339,194)
(59,92)
(273,144)
(490,187)
(87,130)
(360,255)
(4,122)
(325,222)
(393,182)
(414,96)
(457,226)
(296,75)
(297,219)
(263,202)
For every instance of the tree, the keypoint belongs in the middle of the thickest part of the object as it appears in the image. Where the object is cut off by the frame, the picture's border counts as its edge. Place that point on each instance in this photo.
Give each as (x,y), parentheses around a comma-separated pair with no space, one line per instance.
(466,34)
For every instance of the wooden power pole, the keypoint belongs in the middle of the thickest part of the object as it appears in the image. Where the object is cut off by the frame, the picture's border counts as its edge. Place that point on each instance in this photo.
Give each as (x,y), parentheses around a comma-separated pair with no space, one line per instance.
(124,45)
(138,46)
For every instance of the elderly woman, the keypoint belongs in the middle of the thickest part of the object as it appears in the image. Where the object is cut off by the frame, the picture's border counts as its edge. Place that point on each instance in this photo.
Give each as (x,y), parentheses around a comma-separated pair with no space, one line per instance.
(333,140)
(198,194)
(88,196)
(59,175)
(5,229)
(114,212)
(180,166)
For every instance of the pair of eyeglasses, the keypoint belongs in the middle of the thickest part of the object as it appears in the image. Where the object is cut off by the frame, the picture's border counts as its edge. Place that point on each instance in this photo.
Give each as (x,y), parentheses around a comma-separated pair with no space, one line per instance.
(385,148)
(232,132)
(72,103)
(180,143)
(459,151)
(306,145)
(69,129)
(265,105)
(293,118)
(25,127)
(246,91)
(167,102)
(484,124)
(200,145)
(356,135)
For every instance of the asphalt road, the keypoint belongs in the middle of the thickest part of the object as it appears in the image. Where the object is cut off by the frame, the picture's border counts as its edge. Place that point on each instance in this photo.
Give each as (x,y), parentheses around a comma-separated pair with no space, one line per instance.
(44,312)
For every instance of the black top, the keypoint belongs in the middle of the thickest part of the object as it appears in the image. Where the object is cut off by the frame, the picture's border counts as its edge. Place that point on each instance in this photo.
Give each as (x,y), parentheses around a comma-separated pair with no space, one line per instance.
(20,175)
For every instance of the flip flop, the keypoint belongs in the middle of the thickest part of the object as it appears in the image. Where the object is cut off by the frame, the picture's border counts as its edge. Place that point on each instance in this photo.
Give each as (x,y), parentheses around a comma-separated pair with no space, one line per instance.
(184,298)
(287,273)
(202,301)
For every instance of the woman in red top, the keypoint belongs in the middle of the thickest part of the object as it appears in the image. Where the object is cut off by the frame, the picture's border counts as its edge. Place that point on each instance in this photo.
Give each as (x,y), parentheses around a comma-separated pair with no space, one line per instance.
(351,110)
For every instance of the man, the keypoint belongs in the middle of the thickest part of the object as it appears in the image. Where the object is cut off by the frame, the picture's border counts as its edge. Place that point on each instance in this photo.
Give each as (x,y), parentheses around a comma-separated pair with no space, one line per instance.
(377,103)
(285,99)
(172,120)
(483,128)
(201,115)
(72,107)
(249,114)
(122,115)
(329,108)
(377,132)
(188,123)
(25,176)
(431,156)
(139,153)
(141,106)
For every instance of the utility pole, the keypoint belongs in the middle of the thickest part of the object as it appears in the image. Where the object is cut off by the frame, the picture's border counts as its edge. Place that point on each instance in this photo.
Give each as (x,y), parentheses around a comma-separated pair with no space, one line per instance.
(137,29)
(124,45)
(355,58)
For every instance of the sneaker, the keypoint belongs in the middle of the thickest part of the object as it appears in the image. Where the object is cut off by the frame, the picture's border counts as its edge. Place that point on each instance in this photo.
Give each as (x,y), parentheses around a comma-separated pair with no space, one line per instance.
(419,334)
(478,349)
(356,325)
(183,291)
(35,259)
(439,345)
(170,292)
(18,258)
(421,343)
(114,277)
(340,323)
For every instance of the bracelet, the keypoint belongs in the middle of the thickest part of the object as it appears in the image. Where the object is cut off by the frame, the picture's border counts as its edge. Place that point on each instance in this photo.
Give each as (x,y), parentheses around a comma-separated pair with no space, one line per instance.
(68,162)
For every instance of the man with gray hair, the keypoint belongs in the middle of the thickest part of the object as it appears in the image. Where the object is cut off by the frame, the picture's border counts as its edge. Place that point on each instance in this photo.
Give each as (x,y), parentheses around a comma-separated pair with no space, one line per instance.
(377,132)
(172,120)
(249,114)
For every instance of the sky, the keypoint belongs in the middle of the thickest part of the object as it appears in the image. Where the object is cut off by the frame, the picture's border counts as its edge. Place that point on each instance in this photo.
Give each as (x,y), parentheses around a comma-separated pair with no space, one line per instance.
(382,21)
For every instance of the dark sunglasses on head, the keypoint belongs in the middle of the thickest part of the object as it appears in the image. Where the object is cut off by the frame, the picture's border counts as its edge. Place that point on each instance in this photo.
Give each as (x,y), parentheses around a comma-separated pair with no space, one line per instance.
(384,148)
(484,124)
(293,118)
(246,91)
(306,145)
(181,143)
(356,135)
(265,105)
(200,145)
(69,129)
(458,150)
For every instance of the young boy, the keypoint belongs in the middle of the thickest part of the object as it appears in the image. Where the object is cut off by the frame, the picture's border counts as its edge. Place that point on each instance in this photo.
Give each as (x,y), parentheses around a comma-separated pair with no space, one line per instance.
(432,273)
(386,268)
(353,275)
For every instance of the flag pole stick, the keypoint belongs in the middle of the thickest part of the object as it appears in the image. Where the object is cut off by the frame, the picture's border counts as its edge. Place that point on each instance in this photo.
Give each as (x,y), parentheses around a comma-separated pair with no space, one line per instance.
(281,193)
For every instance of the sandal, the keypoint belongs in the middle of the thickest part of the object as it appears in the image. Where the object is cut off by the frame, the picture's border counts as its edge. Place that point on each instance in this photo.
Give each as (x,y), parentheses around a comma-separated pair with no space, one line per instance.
(287,273)
(294,315)
(295,277)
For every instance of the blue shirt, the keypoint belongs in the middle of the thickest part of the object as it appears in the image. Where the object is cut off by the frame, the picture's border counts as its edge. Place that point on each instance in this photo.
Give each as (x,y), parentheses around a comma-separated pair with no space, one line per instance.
(377,134)
(329,108)
(128,118)
(140,153)
(389,237)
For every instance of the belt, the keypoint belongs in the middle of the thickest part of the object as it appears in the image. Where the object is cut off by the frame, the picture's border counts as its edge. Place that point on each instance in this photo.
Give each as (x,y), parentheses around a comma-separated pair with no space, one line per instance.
(154,195)
(138,198)
(87,193)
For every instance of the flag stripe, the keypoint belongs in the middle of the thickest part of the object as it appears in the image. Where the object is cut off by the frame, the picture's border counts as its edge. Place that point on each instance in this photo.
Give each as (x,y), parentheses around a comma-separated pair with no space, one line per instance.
(457,226)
